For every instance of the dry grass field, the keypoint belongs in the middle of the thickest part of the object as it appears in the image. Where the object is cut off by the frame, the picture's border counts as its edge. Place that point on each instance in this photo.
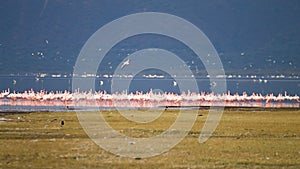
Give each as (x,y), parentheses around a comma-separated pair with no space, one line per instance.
(245,138)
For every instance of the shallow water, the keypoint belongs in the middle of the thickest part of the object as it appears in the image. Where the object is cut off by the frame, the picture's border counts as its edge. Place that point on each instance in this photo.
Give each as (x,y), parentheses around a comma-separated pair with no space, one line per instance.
(239,85)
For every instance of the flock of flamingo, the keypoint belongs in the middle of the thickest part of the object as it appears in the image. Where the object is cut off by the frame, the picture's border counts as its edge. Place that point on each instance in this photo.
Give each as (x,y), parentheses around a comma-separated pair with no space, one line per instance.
(148,99)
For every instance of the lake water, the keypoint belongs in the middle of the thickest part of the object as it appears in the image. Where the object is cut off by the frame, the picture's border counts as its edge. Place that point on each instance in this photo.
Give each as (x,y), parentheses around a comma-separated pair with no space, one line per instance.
(239,85)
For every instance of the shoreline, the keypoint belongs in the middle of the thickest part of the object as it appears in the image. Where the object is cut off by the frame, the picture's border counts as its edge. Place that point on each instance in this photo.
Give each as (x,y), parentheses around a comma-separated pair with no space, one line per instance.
(228,108)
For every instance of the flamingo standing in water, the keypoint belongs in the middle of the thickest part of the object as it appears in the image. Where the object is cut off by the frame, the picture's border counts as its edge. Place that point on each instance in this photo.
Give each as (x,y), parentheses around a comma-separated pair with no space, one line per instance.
(5,93)
(140,99)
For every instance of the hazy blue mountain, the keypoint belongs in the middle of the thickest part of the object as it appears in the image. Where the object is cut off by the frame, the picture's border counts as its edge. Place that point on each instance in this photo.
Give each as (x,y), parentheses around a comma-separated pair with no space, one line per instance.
(251,36)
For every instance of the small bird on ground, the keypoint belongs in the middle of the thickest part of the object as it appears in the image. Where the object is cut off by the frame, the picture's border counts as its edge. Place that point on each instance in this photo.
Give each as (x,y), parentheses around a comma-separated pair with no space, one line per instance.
(62,123)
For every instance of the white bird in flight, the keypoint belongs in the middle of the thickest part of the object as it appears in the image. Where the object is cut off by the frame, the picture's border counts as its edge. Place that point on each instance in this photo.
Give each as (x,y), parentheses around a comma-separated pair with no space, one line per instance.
(101,82)
(174,83)
(125,63)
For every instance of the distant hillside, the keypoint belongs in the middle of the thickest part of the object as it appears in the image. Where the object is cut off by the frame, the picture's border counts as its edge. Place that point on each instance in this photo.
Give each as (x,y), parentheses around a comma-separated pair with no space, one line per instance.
(255,37)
